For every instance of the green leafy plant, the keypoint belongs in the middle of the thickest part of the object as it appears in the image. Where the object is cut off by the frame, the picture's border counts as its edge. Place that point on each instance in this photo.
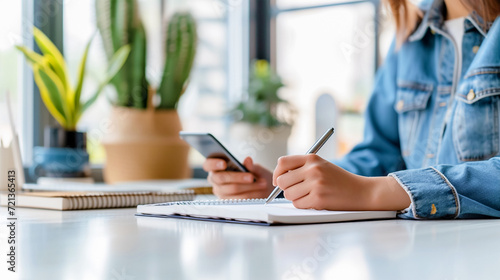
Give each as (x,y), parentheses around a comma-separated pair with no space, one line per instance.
(119,24)
(51,76)
(263,104)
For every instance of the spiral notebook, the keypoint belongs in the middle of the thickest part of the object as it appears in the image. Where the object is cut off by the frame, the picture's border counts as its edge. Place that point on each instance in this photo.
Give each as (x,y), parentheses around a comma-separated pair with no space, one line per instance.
(93,200)
(254,211)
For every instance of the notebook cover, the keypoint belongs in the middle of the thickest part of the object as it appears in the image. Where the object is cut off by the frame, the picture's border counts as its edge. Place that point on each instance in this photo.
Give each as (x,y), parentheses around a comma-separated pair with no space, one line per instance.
(231,221)
(209,219)
(93,200)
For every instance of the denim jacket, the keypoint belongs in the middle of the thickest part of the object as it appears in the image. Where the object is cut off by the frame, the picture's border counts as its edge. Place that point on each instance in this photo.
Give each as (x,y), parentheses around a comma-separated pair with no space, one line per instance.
(433,121)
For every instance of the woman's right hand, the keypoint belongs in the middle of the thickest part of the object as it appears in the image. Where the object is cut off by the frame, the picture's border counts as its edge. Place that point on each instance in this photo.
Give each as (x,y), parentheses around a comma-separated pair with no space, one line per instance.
(237,185)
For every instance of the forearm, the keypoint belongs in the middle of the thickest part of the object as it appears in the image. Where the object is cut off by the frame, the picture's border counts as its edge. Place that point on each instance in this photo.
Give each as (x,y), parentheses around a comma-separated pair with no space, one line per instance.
(387,194)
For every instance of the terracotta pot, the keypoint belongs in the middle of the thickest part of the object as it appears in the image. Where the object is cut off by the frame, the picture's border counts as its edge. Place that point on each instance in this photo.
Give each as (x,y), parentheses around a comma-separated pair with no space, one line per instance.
(144,145)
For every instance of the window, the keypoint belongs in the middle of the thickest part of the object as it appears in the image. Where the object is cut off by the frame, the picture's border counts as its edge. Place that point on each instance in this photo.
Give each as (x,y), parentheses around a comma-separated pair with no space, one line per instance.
(10,66)
(219,76)
(328,49)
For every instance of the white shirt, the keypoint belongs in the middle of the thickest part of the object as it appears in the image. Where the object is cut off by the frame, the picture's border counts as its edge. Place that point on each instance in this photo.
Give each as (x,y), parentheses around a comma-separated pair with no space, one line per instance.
(455,28)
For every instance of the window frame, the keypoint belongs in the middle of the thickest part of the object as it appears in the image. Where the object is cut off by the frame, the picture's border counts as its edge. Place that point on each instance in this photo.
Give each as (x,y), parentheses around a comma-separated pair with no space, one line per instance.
(46,15)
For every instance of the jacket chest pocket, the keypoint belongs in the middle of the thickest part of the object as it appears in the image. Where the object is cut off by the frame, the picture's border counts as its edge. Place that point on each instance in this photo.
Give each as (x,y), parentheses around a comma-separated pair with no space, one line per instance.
(476,117)
(411,101)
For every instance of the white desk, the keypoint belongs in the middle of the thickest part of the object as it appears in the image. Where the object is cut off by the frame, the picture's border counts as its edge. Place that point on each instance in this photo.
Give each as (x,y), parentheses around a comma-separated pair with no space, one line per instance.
(114,244)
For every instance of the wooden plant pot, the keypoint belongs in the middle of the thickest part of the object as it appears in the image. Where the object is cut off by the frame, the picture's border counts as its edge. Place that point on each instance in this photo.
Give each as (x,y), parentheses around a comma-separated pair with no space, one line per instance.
(144,145)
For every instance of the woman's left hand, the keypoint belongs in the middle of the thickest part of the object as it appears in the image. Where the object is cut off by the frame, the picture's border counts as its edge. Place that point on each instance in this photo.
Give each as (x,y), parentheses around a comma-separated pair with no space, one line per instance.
(309,181)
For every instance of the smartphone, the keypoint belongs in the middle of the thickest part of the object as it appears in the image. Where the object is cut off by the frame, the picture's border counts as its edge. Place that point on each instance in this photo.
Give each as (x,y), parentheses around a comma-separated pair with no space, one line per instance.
(210,147)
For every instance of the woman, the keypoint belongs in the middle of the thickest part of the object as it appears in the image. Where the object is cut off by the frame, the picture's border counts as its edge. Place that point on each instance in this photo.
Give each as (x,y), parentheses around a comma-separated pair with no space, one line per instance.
(431,145)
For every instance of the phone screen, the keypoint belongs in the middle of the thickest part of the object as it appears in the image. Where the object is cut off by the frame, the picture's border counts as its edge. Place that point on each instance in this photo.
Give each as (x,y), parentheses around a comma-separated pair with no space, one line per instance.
(210,147)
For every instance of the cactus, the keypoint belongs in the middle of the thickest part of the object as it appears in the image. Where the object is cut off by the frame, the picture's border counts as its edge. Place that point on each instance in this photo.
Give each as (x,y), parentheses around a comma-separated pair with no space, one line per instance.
(180,47)
(119,24)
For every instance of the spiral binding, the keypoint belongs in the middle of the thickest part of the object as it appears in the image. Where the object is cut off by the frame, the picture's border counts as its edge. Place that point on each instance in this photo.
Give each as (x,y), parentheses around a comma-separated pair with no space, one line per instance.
(223,202)
(96,200)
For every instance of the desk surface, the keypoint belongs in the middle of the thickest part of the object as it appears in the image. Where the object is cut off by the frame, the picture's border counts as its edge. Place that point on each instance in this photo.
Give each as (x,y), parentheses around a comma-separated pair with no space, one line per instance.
(114,244)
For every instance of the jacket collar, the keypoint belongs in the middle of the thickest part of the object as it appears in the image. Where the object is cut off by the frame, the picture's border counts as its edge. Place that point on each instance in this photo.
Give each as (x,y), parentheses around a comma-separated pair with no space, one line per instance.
(433,16)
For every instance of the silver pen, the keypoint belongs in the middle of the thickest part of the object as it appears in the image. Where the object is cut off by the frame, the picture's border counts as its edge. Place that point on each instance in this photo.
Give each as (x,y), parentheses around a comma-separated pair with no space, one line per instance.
(314,149)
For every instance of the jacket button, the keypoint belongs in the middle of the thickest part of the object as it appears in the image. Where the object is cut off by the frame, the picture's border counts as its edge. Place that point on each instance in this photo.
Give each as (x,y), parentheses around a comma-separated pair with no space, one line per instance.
(475,49)
(400,105)
(471,95)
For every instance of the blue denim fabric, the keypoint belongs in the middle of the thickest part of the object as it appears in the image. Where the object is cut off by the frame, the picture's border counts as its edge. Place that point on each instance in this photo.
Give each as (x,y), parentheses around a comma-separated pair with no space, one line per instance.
(433,121)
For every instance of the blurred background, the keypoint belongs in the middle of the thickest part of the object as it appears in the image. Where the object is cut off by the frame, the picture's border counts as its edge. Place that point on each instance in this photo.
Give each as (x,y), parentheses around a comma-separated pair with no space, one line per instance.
(319,48)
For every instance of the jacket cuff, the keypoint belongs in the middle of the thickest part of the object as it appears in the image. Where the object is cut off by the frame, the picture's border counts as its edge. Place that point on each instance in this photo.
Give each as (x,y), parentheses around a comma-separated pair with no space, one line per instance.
(432,195)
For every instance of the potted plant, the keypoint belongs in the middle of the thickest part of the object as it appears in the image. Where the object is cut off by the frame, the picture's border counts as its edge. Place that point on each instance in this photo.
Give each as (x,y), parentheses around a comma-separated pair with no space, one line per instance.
(143,139)
(64,153)
(263,120)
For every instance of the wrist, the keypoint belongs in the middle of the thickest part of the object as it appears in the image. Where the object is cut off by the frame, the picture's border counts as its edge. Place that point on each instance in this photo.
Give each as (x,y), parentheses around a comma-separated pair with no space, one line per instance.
(388,194)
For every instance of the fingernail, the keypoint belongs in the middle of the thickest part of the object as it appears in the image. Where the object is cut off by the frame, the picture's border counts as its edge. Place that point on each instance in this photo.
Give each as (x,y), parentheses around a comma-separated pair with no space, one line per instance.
(248,178)
(220,164)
